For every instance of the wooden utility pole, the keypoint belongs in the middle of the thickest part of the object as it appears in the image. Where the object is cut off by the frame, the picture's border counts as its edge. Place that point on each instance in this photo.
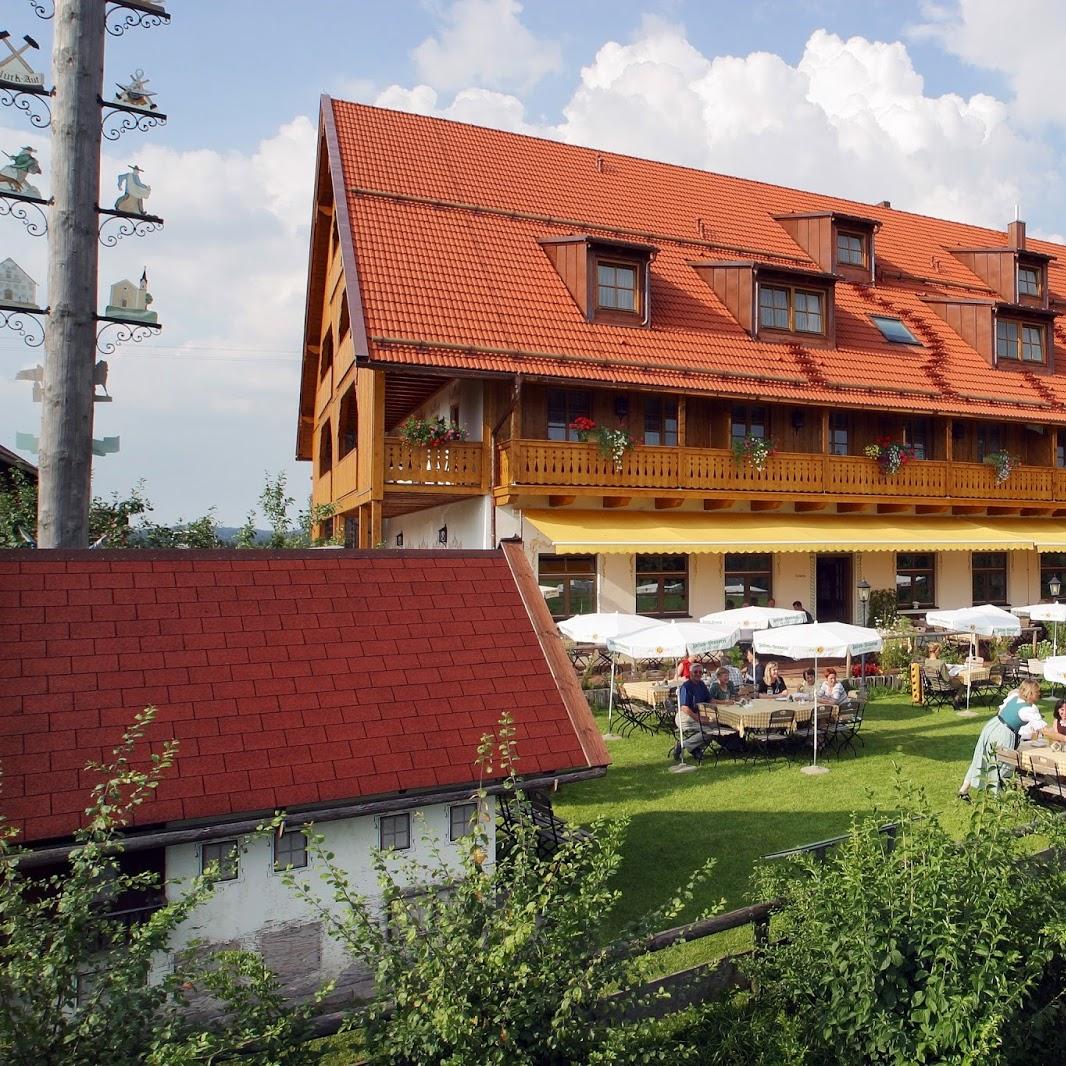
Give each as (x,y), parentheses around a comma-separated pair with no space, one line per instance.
(65,449)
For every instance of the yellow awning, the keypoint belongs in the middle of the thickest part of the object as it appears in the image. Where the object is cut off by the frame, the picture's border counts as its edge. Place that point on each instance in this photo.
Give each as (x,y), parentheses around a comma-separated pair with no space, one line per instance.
(617,533)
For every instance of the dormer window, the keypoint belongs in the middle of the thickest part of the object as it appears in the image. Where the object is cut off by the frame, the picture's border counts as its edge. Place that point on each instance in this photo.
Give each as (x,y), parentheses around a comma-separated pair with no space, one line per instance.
(618,285)
(851,248)
(793,309)
(1029,281)
(1019,340)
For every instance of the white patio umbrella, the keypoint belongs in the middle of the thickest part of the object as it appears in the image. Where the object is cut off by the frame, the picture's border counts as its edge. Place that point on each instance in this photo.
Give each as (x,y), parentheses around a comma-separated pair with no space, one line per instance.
(549,592)
(599,629)
(673,640)
(1045,612)
(753,619)
(829,640)
(985,620)
(1055,668)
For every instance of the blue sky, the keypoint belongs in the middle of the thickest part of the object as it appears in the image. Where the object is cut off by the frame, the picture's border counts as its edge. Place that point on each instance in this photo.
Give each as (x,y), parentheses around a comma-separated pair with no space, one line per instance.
(955,108)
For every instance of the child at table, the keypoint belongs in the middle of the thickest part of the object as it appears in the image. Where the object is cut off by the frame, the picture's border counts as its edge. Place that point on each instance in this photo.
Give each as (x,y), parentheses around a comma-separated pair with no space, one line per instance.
(1056,732)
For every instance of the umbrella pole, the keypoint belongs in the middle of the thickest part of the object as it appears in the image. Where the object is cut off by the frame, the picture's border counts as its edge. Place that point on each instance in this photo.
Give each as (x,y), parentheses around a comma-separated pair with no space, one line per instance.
(610,734)
(814,768)
(969,677)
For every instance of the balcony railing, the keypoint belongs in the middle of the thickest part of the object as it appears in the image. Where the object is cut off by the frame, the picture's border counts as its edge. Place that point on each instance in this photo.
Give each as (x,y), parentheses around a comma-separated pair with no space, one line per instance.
(457,466)
(558,465)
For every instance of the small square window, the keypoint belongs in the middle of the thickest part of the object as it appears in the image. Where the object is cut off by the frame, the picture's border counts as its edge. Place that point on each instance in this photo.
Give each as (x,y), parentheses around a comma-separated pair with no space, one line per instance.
(290,850)
(1028,281)
(617,286)
(773,307)
(851,249)
(461,819)
(1032,344)
(222,853)
(808,312)
(394,831)
(893,329)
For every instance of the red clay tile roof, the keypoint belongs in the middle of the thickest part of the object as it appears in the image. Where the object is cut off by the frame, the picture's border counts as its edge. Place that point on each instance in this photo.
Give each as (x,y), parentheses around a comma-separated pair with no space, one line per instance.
(445,222)
(287,677)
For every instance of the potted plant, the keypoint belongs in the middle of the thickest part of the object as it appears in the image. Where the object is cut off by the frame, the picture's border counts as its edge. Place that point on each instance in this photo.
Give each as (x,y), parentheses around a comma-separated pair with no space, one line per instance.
(753,450)
(431,432)
(612,443)
(891,455)
(1003,463)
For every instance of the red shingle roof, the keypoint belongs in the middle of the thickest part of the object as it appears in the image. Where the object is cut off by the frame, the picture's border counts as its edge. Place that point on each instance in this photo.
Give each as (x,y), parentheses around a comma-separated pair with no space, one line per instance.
(290,679)
(462,283)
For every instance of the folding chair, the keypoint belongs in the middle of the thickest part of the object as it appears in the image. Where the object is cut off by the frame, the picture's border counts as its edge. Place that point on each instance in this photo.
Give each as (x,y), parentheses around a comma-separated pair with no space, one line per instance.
(775,735)
(990,687)
(717,733)
(848,722)
(937,692)
(1049,785)
(633,714)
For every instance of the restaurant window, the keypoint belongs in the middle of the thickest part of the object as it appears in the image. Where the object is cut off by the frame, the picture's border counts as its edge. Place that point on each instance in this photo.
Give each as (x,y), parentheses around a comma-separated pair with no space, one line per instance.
(748,420)
(851,248)
(915,579)
(394,831)
(989,440)
(290,850)
(617,286)
(660,420)
(564,405)
(989,570)
(223,853)
(749,578)
(1028,281)
(918,433)
(1052,564)
(1018,340)
(662,585)
(795,310)
(838,434)
(571,580)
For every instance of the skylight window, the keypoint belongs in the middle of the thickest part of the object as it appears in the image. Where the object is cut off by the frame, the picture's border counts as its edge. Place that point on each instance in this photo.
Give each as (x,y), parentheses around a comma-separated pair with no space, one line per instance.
(893,329)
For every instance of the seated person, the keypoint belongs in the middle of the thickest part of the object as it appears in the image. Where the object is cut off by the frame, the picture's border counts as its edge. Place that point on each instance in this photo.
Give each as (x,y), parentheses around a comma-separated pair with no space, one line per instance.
(723,689)
(690,721)
(831,691)
(1056,732)
(772,683)
(810,683)
(683,667)
(935,669)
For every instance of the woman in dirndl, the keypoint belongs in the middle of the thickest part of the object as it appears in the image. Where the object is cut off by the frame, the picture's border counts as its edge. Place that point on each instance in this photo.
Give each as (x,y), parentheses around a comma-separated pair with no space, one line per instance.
(1018,719)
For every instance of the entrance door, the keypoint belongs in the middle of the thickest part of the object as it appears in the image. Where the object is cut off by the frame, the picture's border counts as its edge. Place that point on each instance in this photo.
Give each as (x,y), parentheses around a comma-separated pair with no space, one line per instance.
(833,588)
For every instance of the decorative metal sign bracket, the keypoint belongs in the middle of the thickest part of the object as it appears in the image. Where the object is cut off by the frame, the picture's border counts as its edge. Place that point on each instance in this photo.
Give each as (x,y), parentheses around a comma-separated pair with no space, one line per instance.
(33,99)
(126,329)
(29,210)
(44,9)
(32,328)
(126,225)
(117,119)
(125,15)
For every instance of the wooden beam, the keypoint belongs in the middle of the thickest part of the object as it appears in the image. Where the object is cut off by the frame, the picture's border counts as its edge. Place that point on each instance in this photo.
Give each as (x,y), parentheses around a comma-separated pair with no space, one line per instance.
(802,506)
(668,503)
(717,505)
(1042,511)
(893,508)
(855,508)
(963,509)
(1004,510)
(610,502)
(765,505)
(931,508)
(560,501)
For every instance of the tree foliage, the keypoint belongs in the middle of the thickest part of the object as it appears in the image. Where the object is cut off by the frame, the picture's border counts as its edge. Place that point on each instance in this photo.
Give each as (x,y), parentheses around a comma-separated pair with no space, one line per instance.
(500,963)
(276,503)
(80,986)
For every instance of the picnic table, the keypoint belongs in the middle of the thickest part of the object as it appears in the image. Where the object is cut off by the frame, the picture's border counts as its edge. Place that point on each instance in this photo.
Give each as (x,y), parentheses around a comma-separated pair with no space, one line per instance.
(1043,751)
(653,693)
(756,715)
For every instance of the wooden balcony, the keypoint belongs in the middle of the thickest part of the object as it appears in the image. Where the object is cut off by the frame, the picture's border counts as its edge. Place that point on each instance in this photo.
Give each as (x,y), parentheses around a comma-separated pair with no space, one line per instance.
(413,476)
(536,467)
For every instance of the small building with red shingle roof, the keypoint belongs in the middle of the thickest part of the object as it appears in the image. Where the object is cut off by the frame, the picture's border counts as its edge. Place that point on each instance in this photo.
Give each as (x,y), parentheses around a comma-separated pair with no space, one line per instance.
(349,688)
(682,389)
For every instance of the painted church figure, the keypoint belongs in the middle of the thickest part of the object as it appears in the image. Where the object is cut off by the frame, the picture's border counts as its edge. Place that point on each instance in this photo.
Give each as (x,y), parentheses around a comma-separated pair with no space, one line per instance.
(134,192)
(13,176)
(131,302)
(135,93)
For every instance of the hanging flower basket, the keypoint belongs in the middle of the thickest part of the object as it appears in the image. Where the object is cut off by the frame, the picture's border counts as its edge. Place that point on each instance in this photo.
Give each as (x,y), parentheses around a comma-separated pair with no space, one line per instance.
(1003,463)
(612,443)
(755,451)
(431,432)
(891,455)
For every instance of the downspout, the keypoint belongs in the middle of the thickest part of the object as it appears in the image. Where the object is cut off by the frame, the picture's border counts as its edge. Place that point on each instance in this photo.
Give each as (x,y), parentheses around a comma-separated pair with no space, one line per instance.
(516,391)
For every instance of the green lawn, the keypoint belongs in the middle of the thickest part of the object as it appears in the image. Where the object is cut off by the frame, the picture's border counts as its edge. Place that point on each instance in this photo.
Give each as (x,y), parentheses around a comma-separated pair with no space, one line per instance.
(737,812)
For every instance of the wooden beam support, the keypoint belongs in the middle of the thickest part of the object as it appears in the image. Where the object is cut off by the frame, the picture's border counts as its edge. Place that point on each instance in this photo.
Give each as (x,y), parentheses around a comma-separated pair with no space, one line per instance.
(893,508)
(717,505)
(965,509)
(560,501)
(668,503)
(1004,510)
(803,506)
(855,508)
(611,502)
(766,505)
(931,508)
(1044,512)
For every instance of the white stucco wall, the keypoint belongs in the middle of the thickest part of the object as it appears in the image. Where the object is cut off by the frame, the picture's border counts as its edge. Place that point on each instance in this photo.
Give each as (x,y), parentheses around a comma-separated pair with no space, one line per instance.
(468,393)
(467,522)
(259,912)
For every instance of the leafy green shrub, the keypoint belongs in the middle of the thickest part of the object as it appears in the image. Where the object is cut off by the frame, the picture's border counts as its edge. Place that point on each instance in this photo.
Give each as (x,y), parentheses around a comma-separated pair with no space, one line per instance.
(934,950)
(884,608)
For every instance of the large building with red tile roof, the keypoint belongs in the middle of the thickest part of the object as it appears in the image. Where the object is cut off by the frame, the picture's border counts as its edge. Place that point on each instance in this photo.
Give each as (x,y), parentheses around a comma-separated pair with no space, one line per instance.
(350,689)
(552,301)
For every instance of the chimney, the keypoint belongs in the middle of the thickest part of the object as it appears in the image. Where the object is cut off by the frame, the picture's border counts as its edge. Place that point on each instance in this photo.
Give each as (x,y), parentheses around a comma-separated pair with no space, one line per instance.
(1016,234)
(884,203)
